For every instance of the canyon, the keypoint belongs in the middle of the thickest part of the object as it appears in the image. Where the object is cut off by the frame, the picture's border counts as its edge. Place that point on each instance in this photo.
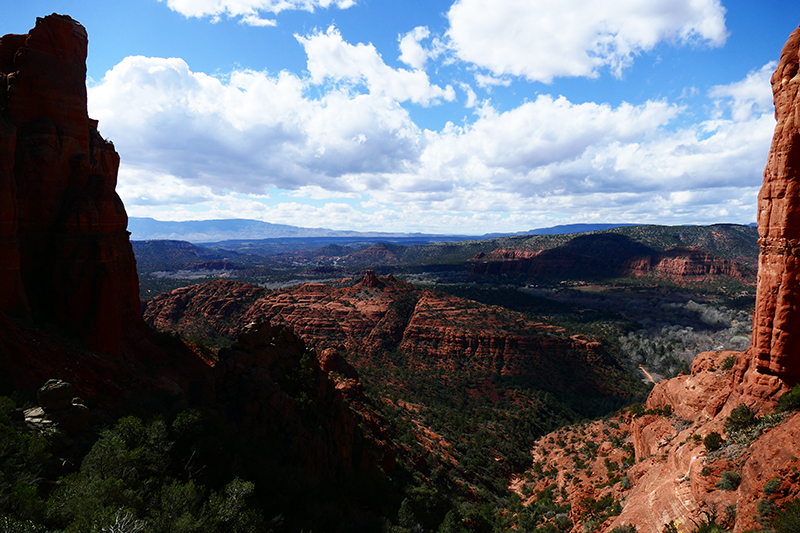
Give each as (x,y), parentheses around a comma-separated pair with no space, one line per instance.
(675,477)
(289,372)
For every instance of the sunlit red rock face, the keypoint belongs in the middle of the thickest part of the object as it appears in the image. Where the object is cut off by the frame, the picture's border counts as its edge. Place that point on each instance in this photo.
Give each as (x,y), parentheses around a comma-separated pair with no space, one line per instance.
(776,324)
(675,478)
(378,316)
(65,257)
(673,487)
(687,265)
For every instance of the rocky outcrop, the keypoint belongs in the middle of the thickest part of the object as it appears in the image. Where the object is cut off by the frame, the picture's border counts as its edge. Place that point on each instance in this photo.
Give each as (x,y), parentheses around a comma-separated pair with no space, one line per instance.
(378,316)
(273,390)
(769,367)
(59,409)
(775,352)
(65,257)
(613,256)
(677,478)
(687,265)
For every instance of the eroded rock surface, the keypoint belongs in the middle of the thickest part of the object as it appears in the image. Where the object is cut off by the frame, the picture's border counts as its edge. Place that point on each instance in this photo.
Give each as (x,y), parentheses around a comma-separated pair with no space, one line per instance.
(676,478)
(371,319)
(776,324)
(65,257)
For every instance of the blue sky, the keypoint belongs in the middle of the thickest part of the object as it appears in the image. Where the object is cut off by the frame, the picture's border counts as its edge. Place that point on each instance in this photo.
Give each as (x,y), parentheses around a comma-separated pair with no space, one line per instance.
(467,116)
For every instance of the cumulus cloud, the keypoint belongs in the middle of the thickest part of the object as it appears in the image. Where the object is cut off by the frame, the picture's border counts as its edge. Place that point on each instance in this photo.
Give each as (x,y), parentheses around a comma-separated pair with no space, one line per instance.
(554,38)
(248,10)
(196,146)
(252,130)
(411,51)
(330,58)
(747,97)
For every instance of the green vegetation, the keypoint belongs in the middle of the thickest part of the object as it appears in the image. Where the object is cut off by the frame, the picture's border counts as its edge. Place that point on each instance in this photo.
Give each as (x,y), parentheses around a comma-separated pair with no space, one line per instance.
(728,363)
(787,520)
(713,442)
(137,474)
(771,486)
(729,480)
(790,401)
(741,418)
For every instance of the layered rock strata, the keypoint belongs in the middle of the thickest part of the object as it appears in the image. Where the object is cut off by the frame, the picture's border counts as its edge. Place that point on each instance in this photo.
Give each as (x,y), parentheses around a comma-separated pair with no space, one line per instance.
(379,316)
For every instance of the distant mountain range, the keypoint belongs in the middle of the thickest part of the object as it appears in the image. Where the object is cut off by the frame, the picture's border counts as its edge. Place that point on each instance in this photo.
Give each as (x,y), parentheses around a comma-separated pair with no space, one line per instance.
(214,231)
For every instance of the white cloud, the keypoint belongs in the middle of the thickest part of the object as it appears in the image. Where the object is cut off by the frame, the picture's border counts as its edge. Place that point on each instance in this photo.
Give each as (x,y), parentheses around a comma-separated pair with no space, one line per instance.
(752,95)
(255,20)
(472,98)
(553,38)
(411,51)
(485,81)
(193,145)
(331,58)
(251,131)
(248,10)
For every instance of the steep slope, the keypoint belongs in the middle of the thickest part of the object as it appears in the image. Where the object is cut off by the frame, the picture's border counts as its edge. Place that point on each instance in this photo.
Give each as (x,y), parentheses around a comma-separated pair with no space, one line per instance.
(380,322)
(711,447)
(69,309)
(65,252)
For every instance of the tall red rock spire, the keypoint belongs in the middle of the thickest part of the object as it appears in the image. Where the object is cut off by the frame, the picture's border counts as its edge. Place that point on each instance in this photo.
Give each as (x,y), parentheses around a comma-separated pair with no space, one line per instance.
(65,256)
(774,357)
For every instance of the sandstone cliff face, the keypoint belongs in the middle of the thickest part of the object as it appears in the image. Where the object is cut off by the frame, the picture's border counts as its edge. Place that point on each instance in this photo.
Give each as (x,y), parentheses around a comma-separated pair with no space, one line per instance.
(769,367)
(676,478)
(681,265)
(378,316)
(776,323)
(687,265)
(65,257)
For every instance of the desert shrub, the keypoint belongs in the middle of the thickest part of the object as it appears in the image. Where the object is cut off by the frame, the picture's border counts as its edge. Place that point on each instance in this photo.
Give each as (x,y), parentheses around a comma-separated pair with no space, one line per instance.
(636,410)
(630,528)
(787,520)
(766,510)
(728,362)
(712,442)
(23,457)
(741,418)
(790,401)
(670,527)
(729,480)
(772,485)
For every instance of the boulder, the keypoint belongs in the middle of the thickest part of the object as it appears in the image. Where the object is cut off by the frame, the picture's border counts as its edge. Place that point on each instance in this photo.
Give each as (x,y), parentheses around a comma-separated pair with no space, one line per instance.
(55,395)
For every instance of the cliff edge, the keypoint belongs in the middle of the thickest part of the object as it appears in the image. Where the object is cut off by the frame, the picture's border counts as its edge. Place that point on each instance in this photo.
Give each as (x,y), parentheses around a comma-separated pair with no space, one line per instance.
(65,256)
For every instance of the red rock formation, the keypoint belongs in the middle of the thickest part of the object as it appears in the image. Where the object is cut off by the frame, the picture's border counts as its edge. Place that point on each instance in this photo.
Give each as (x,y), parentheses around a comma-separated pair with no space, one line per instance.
(687,265)
(379,315)
(65,256)
(775,352)
(675,478)
(680,265)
